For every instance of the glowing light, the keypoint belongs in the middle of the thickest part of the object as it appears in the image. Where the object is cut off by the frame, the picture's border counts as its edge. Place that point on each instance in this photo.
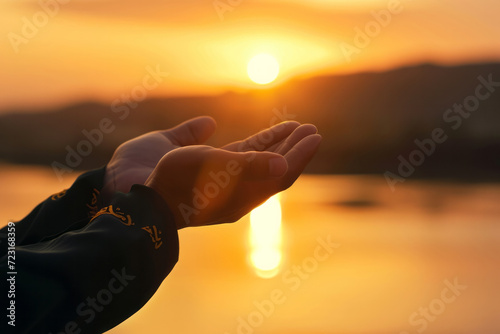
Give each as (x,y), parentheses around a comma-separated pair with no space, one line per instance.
(265,237)
(263,69)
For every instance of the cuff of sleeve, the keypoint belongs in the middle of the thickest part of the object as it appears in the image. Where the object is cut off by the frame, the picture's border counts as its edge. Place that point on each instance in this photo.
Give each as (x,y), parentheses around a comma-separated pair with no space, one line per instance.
(86,189)
(150,213)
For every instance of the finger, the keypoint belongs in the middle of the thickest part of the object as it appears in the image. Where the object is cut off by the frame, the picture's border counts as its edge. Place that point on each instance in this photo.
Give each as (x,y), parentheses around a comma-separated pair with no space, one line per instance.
(298,157)
(264,139)
(250,165)
(266,165)
(297,135)
(274,148)
(286,144)
(194,131)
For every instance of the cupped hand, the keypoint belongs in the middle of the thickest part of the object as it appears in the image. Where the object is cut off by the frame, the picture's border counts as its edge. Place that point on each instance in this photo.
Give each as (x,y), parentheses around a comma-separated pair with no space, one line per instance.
(203,185)
(134,160)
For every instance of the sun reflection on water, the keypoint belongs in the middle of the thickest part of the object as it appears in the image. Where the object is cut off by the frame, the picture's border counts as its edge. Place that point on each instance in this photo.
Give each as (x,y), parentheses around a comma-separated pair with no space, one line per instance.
(265,238)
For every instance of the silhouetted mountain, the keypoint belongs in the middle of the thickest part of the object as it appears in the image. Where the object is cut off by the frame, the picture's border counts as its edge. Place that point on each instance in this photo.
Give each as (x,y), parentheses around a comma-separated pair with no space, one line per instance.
(367,120)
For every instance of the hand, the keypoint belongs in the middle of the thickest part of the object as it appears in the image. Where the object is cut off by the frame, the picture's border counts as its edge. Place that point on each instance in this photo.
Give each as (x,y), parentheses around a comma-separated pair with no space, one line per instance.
(134,160)
(204,185)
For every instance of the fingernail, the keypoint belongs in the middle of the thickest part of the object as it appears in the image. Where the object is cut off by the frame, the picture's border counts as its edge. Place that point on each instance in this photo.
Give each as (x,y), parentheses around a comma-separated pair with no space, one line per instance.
(277,167)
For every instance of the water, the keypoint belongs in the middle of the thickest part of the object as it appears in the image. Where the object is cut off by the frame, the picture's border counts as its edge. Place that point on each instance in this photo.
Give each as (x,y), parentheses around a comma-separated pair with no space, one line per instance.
(392,259)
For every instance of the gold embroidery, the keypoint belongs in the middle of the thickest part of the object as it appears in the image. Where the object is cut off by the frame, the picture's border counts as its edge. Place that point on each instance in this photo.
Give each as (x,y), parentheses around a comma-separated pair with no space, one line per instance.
(155,235)
(58,195)
(153,231)
(125,219)
(93,203)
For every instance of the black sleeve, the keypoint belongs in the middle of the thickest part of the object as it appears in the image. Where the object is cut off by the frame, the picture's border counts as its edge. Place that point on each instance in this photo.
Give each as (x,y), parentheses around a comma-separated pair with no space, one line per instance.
(88,275)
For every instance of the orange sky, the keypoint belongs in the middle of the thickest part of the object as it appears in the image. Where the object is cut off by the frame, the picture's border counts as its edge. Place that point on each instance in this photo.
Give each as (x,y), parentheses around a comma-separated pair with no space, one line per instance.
(101,49)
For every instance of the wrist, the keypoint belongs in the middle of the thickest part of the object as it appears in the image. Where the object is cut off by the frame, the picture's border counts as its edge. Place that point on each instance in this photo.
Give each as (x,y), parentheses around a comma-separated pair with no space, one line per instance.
(169,203)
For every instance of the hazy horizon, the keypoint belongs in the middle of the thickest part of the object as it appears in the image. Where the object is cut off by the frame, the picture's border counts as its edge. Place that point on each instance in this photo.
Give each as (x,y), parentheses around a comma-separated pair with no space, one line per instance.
(28,106)
(99,50)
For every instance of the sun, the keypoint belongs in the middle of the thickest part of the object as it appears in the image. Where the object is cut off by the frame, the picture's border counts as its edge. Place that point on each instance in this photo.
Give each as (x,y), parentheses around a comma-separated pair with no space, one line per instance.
(263,68)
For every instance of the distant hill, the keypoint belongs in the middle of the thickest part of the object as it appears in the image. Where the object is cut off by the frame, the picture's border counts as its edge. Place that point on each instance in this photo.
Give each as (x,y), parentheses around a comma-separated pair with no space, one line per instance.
(367,120)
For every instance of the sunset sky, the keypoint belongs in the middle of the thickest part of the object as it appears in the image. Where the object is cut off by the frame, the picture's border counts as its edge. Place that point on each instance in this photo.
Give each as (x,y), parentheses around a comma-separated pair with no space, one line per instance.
(102,49)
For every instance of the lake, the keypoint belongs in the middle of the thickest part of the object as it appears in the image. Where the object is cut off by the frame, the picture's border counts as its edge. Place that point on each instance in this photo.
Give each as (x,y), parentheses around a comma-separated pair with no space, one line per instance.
(352,257)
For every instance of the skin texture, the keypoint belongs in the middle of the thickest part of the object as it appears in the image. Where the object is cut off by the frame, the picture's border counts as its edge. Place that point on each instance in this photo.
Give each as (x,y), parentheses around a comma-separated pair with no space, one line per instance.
(203,185)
